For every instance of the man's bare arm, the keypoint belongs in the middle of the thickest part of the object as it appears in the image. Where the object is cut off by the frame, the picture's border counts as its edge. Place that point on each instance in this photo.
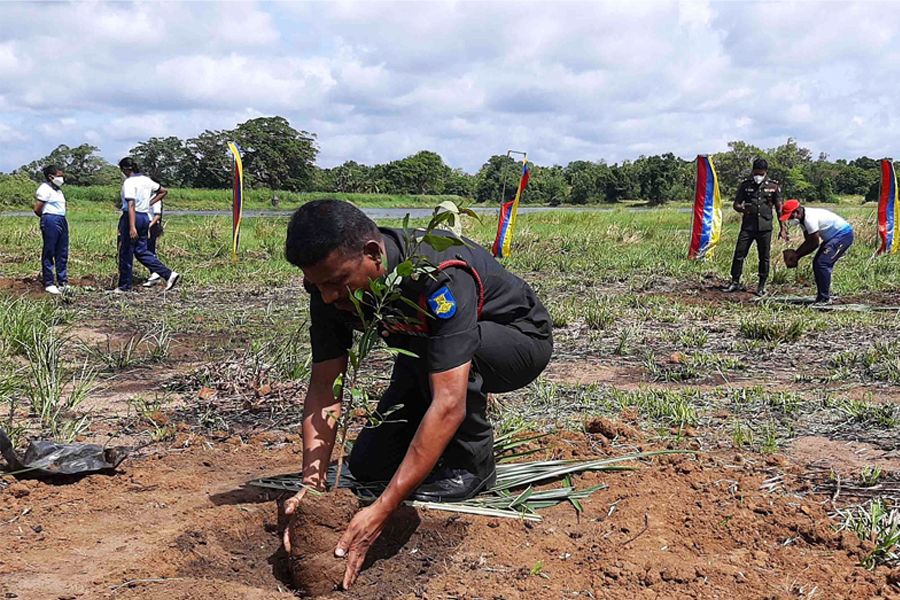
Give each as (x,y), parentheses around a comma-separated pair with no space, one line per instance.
(132,220)
(438,426)
(321,410)
(809,245)
(159,195)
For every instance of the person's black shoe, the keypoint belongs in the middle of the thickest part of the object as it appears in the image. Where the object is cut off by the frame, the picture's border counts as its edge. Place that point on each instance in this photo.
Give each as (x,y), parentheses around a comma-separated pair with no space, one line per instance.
(761,290)
(823,301)
(453,485)
(734,286)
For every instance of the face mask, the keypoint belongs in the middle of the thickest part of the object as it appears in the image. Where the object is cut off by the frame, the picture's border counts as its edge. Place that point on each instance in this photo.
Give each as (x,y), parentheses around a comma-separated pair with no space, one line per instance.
(57,181)
(794,222)
(758,178)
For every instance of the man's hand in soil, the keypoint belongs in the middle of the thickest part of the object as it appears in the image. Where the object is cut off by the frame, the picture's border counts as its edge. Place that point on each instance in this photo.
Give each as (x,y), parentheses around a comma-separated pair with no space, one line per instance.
(441,420)
(364,529)
(290,505)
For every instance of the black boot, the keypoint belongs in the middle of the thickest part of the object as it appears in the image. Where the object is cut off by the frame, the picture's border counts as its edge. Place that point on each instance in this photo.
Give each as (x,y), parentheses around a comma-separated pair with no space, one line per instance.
(453,485)
(761,290)
(734,286)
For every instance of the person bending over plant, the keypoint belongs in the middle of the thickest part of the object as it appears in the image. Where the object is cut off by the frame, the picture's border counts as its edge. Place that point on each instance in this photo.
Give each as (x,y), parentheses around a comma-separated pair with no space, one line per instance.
(461,327)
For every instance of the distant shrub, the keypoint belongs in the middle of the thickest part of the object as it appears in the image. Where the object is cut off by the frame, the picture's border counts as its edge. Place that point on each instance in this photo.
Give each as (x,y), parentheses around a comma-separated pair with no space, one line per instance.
(17,191)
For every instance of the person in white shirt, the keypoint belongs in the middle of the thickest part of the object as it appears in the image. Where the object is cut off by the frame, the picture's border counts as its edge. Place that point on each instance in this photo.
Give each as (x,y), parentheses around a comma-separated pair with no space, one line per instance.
(156,230)
(50,207)
(824,230)
(139,193)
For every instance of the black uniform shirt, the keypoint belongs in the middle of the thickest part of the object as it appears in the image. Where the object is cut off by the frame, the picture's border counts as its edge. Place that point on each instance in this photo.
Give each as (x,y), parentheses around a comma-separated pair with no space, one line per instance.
(447,336)
(758,200)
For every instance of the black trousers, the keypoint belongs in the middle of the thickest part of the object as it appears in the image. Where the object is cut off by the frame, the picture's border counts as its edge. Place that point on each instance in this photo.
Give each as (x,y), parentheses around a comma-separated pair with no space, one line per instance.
(151,239)
(763,241)
(507,360)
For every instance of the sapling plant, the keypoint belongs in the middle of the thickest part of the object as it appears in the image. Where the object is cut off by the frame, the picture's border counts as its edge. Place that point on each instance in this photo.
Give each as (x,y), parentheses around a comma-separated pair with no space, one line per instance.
(381,304)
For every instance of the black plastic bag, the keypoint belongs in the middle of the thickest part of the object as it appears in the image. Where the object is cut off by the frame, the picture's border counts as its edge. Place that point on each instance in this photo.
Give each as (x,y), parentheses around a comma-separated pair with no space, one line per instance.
(54,458)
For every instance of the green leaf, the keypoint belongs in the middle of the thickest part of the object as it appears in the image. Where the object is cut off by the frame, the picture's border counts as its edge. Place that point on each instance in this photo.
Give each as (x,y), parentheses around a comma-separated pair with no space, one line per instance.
(449,206)
(402,351)
(337,388)
(411,304)
(470,213)
(440,243)
(405,269)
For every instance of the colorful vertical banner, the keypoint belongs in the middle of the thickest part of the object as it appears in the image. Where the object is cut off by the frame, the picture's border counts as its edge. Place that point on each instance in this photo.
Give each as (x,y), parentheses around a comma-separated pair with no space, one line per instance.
(888,210)
(237,207)
(706,224)
(508,212)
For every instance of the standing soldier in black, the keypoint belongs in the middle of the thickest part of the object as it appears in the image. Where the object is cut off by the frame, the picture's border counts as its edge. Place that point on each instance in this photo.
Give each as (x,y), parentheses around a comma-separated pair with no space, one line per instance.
(759,200)
(478,329)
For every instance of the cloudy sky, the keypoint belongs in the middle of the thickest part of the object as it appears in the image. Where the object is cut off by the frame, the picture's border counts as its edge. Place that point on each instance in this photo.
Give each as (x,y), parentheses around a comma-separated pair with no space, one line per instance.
(380,81)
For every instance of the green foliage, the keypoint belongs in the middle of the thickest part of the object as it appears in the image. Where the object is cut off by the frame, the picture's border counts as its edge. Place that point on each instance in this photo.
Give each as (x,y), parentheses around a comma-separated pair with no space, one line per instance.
(881,362)
(489,180)
(421,173)
(275,155)
(80,165)
(782,329)
(878,523)
(208,163)
(19,320)
(55,390)
(164,160)
(17,191)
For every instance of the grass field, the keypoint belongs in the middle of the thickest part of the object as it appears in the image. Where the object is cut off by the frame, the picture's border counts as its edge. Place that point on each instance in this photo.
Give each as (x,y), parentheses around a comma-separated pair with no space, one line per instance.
(786,406)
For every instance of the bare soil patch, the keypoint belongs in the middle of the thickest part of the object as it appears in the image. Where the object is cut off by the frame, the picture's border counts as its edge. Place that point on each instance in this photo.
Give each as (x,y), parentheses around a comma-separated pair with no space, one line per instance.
(675,528)
(846,458)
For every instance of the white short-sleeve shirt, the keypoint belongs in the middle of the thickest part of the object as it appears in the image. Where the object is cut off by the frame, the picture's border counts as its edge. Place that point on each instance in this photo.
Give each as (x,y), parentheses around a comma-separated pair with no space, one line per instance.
(823,221)
(53,199)
(156,209)
(139,188)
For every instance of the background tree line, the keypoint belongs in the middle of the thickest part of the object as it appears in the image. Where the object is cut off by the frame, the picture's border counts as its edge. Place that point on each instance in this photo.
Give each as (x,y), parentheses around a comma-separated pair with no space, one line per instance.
(278,157)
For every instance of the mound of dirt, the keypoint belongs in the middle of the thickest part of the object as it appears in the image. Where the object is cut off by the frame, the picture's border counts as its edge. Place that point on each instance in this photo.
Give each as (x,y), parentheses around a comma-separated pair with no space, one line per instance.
(316,528)
(612,430)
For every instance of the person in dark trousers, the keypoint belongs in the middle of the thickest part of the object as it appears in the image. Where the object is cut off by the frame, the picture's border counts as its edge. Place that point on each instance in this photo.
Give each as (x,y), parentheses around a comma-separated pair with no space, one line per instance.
(50,207)
(824,230)
(139,192)
(156,229)
(479,330)
(759,200)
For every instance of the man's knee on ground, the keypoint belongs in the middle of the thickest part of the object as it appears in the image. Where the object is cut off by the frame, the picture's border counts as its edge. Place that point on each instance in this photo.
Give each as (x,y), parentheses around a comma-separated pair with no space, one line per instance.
(368,466)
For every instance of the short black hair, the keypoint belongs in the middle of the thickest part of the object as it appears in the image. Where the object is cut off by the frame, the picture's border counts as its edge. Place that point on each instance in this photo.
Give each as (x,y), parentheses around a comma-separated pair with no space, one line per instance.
(320,227)
(760,164)
(51,170)
(130,164)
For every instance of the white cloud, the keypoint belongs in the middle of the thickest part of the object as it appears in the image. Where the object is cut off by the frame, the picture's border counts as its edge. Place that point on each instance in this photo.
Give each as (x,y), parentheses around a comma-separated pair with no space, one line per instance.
(8,135)
(377,81)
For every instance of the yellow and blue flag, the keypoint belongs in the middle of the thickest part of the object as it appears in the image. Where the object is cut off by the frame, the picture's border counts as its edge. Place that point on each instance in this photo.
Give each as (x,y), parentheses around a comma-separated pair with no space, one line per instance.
(707,220)
(888,210)
(508,211)
(237,207)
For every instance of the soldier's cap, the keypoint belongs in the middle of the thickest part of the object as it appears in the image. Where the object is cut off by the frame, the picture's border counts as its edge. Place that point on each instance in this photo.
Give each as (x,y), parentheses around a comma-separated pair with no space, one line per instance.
(788,208)
(760,164)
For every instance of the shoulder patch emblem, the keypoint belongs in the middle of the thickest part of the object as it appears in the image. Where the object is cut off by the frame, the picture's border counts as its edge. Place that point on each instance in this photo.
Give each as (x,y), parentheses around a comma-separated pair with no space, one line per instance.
(442,303)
